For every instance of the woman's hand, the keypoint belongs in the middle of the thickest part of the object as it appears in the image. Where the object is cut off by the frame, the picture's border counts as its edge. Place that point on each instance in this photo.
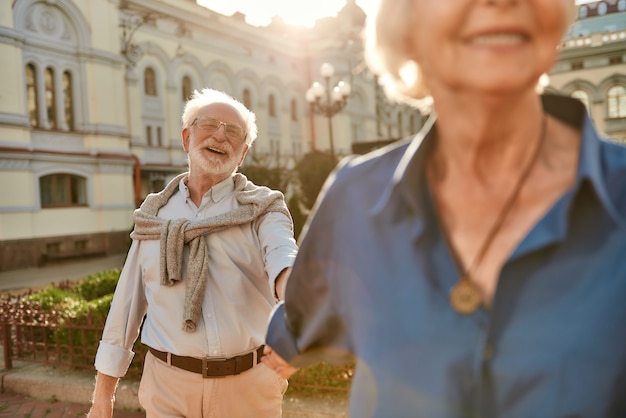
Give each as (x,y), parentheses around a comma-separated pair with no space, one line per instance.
(275,362)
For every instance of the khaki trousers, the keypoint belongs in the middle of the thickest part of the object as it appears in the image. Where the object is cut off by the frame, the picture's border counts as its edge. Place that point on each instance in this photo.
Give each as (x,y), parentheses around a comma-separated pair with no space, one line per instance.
(168,392)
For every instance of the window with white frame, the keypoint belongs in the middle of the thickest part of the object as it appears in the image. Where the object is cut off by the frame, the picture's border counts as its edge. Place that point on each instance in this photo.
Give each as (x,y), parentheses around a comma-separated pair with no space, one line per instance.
(31,95)
(53,34)
(187,90)
(271,106)
(247,99)
(149,82)
(62,190)
(616,102)
(294,110)
(68,100)
(50,97)
(57,113)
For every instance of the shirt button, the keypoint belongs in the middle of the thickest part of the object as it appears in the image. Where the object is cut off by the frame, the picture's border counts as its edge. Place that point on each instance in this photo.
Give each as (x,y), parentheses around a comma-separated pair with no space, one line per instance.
(198,215)
(214,352)
(488,352)
(209,316)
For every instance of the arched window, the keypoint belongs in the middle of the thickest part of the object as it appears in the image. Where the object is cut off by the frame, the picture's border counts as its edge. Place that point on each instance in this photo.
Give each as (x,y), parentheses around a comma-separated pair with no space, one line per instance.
(31,94)
(247,100)
(400,128)
(617,102)
(272,105)
(149,82)
(62,190)
(50,97)
(294,110)
(68,100)
(186,88)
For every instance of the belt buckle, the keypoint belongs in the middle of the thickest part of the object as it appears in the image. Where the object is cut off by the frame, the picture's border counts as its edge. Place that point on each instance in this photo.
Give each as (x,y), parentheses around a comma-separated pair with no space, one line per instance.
(205,364)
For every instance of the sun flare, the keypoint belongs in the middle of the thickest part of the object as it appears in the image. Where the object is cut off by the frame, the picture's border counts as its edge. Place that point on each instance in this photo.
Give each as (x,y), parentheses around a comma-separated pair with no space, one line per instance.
(293,12)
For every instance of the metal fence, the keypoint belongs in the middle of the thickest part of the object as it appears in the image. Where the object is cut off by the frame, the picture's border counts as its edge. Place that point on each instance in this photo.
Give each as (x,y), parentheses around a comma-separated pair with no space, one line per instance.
(32,334)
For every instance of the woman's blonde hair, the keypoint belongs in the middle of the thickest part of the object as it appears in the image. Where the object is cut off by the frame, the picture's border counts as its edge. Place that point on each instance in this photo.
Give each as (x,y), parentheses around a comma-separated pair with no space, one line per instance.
(386,53)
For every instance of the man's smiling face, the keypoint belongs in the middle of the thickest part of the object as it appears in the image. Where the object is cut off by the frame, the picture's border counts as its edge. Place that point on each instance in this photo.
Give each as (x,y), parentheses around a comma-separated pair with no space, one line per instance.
(212,152)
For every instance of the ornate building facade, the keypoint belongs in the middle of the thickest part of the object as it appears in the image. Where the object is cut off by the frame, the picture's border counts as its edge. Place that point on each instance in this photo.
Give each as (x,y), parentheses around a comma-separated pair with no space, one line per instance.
(592,65)
(92,92)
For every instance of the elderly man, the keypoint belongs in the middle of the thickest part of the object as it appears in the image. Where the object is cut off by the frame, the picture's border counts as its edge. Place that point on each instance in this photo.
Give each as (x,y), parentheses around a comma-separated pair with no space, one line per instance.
(208,261)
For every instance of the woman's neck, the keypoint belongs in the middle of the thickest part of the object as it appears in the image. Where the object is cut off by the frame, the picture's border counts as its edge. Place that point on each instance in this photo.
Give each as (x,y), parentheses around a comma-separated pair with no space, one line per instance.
(487,138)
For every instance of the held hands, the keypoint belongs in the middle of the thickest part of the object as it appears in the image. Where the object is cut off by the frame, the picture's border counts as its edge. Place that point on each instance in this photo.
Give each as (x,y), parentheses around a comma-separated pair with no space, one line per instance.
(275,362)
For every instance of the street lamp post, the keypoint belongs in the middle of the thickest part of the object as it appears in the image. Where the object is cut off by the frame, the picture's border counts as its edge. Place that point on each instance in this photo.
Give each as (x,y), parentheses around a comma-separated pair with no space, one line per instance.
(334,99)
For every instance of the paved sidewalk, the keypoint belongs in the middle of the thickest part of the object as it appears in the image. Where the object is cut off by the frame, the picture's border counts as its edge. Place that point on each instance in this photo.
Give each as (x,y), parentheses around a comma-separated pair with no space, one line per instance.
(14,405)
(36,391)
(36,277)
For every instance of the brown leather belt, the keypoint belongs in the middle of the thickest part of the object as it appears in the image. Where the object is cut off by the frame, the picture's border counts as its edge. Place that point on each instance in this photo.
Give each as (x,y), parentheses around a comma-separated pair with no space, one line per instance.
(212,367)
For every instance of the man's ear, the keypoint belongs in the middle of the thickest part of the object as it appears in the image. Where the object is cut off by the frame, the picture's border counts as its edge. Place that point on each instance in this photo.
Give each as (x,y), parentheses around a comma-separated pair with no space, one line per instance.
(243,155)
(185,139)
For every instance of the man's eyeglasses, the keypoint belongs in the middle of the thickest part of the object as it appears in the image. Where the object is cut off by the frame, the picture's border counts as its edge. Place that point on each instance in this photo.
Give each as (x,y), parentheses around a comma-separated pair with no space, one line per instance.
(232,131)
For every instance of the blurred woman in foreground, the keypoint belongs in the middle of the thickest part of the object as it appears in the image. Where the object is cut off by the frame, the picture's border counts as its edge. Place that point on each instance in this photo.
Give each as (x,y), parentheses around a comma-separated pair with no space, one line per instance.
(479,268)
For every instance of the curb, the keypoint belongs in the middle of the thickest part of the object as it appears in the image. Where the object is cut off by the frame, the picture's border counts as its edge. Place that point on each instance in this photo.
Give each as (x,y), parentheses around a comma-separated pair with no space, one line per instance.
(64,385)
(61,384)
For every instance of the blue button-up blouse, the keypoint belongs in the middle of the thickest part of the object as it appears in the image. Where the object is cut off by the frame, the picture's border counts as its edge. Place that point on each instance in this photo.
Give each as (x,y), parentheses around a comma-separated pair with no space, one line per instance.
(373,273)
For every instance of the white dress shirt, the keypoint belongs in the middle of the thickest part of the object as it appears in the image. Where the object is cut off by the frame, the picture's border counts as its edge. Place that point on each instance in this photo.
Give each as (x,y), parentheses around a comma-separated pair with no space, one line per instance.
(244,262)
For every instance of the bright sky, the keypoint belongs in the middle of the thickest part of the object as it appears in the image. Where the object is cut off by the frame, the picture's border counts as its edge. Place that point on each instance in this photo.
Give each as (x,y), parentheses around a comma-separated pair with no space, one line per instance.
(295,12)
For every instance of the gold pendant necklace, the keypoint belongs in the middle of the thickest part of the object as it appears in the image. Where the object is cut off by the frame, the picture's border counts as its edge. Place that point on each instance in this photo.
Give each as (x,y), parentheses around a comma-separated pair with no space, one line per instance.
(465,297)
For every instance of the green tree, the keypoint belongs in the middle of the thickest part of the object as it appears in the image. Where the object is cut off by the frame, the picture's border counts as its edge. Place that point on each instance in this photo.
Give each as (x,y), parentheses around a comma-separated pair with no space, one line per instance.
(299,218)
(265,176)
(313,169)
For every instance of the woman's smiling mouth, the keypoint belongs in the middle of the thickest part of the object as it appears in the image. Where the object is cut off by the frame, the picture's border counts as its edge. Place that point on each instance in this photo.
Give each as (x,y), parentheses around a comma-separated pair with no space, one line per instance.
(499,39)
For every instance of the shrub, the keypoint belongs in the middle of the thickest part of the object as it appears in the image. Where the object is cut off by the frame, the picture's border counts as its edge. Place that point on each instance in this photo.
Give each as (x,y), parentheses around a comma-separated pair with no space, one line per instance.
(72,306)
(53,298)
(313,169)
(97,285)
(93,295)
(264,176)
(323,378)
(299,218)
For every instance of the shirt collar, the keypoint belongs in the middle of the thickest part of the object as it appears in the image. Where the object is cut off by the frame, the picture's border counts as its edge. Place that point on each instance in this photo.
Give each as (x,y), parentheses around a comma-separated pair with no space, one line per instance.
(590,168)
(215,193)
(400,197)
(222,189)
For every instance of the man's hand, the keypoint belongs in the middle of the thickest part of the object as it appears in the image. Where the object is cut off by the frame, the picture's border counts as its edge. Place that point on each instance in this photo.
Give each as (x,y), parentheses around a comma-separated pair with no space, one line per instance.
(275,362)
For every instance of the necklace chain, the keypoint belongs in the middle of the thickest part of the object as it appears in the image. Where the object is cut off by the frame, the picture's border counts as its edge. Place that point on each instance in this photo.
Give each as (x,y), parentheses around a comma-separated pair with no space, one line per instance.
(465,297)
(508,205)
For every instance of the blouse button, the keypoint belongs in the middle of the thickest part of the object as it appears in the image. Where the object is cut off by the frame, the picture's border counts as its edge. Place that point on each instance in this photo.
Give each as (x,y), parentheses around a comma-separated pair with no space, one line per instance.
(488,352)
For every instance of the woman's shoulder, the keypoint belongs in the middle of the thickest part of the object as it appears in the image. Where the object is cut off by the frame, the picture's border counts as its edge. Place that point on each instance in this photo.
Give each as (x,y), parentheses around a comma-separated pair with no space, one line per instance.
(359,180)
(613,163)
(374,166)
(614,151)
